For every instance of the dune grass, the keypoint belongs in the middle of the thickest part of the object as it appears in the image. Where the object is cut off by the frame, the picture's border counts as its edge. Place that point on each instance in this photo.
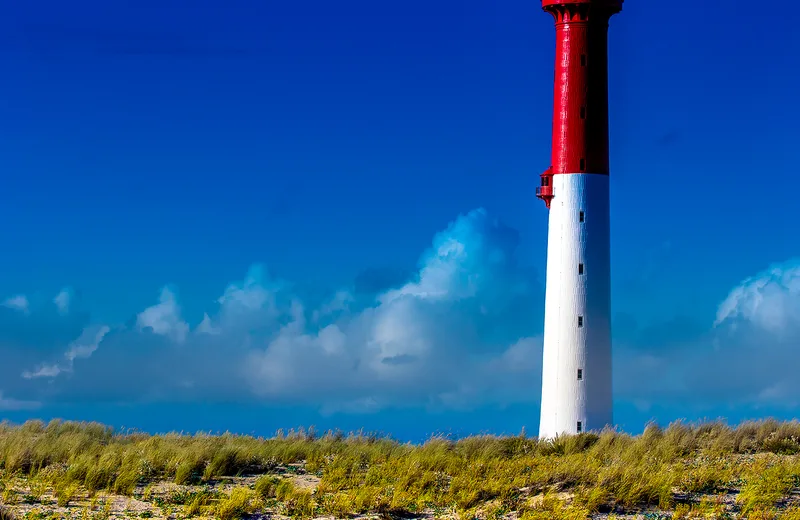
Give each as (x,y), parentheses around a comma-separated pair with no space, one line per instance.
(682,469)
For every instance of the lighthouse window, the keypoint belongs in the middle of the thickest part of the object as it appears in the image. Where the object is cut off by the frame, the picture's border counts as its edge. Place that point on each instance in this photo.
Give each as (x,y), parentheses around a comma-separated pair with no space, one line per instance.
(580,321)
(580,216)
(583,164)
(583,60)
(583,112)
(580,268)
(580,427)
(580,374)
(545,181)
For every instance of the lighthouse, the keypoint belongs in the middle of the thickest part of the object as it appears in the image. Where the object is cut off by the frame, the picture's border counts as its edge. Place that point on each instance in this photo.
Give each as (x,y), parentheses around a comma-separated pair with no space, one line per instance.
(576,378)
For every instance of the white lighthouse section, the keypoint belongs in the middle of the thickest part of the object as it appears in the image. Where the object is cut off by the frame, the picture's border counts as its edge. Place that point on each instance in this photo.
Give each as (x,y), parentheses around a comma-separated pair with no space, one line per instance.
(576,378)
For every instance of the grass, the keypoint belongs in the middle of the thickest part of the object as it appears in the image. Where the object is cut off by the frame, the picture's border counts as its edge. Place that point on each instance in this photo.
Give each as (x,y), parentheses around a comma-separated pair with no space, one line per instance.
(240,502)
(685,470)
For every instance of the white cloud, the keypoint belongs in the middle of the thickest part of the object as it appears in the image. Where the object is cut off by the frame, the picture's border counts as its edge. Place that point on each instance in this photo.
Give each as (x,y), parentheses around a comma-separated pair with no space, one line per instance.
(206,327)
(62,300)
(748,359)
(769,300)
(18,302)
(522,356)
(164,318)
(341,301)
(81,348)
(43,371)
(456,265)
(418,343)
(251,294)
(84,346)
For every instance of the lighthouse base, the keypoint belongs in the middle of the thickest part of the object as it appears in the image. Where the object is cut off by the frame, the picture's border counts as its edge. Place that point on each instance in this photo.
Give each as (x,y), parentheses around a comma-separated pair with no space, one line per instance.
(576,378)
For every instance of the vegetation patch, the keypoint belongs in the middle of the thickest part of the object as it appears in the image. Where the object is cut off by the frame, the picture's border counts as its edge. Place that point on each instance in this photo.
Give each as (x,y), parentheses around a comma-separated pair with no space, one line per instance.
(710,470)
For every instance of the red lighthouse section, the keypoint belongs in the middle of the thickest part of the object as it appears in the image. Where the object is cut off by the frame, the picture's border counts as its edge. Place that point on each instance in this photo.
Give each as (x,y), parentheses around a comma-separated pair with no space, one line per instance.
(580,117)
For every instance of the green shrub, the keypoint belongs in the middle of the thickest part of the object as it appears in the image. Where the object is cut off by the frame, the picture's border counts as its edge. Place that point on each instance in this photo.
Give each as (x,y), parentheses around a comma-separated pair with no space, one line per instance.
(239,503)
(197,502)
(338,506)
(300,504)
(267,486)
(284,490)
(550,507)
(65,492)
(709,477)
(790,513)
(9,496)
(189,472)
(763,489)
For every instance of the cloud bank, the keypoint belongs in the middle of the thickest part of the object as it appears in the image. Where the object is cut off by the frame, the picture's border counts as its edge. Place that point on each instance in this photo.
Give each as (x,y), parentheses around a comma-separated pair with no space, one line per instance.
(460,332)
(746,358)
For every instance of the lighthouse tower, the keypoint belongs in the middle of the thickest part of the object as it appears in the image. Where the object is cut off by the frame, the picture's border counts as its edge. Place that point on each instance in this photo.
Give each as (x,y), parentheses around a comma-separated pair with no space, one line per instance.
(576,379)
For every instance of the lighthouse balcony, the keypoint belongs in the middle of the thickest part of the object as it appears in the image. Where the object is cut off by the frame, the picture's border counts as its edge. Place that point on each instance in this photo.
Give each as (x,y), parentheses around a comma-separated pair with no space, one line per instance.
(545,190)
(545,193)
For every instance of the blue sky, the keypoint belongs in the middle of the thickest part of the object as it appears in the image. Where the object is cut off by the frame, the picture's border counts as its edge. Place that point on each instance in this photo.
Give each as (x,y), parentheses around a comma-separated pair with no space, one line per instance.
(262,214)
